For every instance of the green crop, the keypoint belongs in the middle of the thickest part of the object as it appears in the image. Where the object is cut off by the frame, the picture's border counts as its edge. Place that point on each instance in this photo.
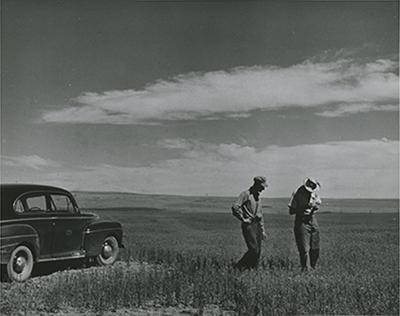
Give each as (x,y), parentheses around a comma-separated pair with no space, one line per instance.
(186,259)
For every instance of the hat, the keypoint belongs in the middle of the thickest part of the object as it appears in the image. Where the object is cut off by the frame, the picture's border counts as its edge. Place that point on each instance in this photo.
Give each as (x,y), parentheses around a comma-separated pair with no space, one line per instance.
(261,180)
(311,185)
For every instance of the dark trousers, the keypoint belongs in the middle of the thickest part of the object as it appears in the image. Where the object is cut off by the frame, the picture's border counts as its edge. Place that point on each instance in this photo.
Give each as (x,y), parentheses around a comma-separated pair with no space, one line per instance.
(253,236)
(307,240)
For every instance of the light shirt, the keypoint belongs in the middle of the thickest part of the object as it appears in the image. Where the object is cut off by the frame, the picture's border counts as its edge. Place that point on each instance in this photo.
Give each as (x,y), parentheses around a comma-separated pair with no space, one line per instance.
(246,206)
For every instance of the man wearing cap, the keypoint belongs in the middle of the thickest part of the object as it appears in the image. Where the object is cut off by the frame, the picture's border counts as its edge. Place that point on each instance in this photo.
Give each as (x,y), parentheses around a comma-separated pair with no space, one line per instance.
(248,210)
(304,203)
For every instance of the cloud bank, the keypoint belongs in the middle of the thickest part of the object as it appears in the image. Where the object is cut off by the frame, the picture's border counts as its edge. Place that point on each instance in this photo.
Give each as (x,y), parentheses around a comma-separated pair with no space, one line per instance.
(234,93)
(352,169)
(345,110)
(30,161)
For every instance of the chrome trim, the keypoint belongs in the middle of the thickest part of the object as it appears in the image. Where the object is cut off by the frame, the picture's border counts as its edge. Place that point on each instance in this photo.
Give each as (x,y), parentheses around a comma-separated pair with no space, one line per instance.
(42,218)
(2,247)
(45,192)
(61,258)
(89,231)
(18,236)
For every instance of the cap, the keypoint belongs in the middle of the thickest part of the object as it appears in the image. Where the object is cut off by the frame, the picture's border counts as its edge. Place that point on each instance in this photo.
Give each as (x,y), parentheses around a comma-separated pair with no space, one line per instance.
(261,180)
(311,185)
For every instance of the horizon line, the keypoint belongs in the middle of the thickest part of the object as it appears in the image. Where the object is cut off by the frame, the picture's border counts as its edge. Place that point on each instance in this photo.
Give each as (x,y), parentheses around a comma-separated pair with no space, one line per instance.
(231,196)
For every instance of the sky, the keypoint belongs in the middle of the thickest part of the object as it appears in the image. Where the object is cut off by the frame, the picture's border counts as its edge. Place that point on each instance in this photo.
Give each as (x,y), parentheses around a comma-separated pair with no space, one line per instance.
(198,97)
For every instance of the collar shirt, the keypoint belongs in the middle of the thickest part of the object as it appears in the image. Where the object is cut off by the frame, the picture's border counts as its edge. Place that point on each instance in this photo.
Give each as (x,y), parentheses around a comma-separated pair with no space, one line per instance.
(247,206)
(301,201)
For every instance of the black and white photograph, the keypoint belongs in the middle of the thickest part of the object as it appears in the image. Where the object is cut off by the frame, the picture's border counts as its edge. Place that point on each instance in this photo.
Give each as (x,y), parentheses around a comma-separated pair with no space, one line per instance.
(199,157)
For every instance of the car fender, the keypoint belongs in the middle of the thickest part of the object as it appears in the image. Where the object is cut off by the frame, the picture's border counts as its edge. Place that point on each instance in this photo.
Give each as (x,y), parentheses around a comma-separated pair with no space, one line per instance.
(17,234)
(95,233)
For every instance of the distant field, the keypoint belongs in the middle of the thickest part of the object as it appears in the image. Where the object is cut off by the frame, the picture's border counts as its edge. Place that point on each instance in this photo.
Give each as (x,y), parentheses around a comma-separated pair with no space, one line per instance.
(189,254)
(97,200)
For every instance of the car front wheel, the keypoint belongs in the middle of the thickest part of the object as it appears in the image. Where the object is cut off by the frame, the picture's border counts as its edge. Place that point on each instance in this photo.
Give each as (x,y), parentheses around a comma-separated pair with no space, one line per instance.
(109,251)
(20,266)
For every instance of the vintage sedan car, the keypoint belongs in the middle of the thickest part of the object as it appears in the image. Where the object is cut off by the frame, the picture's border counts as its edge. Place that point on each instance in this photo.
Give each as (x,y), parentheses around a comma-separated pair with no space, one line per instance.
(43,223)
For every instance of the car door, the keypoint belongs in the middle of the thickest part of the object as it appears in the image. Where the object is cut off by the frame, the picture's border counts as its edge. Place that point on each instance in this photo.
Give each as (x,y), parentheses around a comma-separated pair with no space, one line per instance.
(32,209)
(68,226)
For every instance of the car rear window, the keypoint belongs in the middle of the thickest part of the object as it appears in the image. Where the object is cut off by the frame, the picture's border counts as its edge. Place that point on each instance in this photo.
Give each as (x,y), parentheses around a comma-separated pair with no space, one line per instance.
(19,207)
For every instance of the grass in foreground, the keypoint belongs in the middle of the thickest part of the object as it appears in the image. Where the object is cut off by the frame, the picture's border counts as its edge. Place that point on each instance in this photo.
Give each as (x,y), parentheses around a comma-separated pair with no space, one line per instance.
(189,262)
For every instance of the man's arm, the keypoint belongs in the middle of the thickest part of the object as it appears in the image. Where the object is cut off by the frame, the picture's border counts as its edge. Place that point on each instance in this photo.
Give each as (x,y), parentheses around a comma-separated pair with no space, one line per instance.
(237,206)
(292,204)
(315,203)
(263,232)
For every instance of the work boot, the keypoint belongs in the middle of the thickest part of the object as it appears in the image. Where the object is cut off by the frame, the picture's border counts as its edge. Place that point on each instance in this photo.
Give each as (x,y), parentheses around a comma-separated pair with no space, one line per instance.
(314,255)
(303,262)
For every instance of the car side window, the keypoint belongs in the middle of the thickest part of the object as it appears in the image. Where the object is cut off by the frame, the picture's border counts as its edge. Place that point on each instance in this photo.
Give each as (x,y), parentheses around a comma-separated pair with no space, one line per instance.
(35,203)
(62,203)
(19,207)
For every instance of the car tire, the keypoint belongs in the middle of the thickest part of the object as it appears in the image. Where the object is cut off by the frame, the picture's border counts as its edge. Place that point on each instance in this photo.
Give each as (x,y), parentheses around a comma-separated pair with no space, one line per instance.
(109,251)
(20,265)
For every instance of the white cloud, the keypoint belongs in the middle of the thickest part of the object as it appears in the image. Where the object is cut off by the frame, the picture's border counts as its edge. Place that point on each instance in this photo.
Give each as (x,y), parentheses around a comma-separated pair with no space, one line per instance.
(176,143)
(347,109)
(346,169)
(32,161)
(238,91)
(238,115)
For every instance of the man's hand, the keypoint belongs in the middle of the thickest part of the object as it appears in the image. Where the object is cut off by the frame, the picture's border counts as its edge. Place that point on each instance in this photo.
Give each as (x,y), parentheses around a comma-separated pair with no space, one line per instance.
(247,220)
(264,235)
(307,211)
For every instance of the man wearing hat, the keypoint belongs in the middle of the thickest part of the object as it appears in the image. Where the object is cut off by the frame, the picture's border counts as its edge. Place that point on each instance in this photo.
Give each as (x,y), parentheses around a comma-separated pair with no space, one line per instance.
(304,203)
(248,210)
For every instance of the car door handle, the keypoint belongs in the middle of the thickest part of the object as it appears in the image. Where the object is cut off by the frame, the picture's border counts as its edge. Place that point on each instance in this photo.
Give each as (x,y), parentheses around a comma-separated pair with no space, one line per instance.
(68,232)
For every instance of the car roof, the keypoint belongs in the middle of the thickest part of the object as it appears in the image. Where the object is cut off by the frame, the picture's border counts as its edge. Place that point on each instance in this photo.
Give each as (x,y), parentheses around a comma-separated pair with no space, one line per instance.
(22,188)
